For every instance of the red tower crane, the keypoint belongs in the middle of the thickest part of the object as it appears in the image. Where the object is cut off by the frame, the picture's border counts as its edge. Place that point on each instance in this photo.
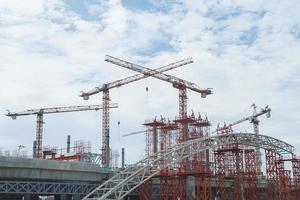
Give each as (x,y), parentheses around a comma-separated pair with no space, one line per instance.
(40,114)
(105,101)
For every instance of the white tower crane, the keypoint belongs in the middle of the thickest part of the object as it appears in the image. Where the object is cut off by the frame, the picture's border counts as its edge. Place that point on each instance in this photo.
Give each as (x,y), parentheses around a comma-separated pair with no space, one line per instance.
(105,88)
(254,120)
(40,115)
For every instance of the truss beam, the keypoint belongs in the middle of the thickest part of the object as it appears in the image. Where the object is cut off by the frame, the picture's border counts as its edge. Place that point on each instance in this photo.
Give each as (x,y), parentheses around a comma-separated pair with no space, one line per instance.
(135,175)
(46,188)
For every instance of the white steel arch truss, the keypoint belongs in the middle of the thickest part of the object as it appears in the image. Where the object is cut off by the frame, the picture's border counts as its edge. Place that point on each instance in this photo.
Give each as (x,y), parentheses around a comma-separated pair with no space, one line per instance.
(133,176)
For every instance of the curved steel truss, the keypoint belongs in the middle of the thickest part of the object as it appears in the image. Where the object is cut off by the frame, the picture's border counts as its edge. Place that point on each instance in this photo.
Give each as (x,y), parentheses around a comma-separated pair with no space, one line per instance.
(132,177)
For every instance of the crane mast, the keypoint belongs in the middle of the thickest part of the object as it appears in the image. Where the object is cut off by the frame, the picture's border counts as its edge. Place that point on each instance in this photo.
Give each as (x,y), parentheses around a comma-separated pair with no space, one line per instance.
(105,101)
(40,115)
(105,129)
(39,136)
(255,122)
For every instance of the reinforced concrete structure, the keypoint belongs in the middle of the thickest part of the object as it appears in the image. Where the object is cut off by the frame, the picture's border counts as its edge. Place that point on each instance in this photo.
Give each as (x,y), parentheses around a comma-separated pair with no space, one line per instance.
(24,178)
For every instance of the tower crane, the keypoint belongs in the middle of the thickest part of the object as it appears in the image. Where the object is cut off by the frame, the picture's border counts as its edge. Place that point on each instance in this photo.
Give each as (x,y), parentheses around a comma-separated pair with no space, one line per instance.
(254,120)
(178,83)
(105,101)
(40,115)
(181,84)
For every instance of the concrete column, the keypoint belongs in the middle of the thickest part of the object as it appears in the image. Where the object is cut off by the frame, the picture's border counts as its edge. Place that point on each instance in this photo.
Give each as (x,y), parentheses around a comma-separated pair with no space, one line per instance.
(77,197)
(57,197)
(31,197)
(63,197)
(69,197)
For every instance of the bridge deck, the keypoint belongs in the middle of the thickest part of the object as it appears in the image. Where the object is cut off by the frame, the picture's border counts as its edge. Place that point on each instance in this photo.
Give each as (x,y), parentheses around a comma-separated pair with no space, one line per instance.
(12,168)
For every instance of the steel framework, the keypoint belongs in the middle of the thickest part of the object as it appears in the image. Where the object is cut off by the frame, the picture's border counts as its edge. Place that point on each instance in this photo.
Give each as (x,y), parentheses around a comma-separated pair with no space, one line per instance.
(250,174)
(254,120)
(132,177)
(271,170)
(296,170)
(220,175)
(181,84)
(283,180)
(105,100)
(296,176)
(39,136)
(105,129)
(22,187)
(238,175)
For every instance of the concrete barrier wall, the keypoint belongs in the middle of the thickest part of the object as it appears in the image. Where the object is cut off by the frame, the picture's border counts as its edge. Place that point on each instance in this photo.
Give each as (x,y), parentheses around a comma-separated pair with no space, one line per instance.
(34,169)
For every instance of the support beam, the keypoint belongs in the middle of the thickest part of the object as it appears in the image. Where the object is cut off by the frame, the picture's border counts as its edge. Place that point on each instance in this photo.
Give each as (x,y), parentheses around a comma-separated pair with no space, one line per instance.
(46,188)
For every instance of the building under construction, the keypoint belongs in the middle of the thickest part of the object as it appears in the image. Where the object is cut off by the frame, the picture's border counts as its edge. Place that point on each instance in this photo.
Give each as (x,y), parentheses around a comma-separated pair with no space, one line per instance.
(185,158)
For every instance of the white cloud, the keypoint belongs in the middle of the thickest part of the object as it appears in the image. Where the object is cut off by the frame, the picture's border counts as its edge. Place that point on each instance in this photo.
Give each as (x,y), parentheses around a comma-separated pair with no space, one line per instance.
(50,53)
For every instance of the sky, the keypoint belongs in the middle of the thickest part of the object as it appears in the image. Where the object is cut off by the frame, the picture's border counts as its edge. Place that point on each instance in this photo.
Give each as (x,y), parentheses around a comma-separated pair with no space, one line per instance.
(50,50)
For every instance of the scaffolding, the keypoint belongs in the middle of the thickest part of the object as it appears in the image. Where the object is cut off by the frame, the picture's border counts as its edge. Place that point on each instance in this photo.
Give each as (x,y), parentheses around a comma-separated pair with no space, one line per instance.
(296,177)
(271,172)
(192,176)
(250,175)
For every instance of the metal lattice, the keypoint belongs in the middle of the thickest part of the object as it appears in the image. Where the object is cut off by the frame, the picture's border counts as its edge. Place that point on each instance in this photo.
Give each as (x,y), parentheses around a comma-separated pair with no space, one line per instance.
(39,136)
(132,177)
(24,187)
(105,130)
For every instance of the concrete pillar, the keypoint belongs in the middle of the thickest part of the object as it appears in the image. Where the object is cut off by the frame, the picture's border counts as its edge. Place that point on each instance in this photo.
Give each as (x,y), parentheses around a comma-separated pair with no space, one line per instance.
(11,197)
(69,197)
(64,197)
(77,197)
(31,197)
(57,197)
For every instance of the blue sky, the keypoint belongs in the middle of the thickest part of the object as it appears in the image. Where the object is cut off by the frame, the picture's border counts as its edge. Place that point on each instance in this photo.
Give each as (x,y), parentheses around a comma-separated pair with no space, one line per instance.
(247,50)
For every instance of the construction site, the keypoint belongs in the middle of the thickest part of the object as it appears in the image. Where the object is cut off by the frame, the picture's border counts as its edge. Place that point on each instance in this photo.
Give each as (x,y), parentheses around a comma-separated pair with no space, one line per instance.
(185,157)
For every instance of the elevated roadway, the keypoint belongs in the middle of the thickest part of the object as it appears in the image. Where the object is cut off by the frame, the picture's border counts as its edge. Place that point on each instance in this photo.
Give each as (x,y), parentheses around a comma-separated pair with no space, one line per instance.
(25,178)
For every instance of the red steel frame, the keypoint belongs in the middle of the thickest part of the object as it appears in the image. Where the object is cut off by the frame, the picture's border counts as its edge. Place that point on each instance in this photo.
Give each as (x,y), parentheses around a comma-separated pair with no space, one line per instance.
(232,162)
(145,190)
(250,175)
(203,187)
(173,179)
(271,172)
(296,171)
(283,180)
(238,176)
(296,177)
(219,158)
(284,177)
(167,182)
